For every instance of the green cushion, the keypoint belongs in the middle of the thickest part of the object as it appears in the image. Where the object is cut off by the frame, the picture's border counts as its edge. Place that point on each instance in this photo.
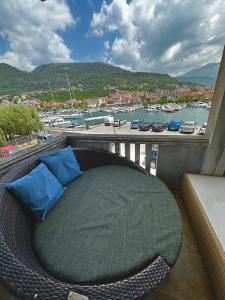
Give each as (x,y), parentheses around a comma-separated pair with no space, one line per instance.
(110,223)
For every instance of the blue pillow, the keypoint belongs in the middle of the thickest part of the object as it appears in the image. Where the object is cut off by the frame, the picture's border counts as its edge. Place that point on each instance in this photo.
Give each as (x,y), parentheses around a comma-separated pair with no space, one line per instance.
(63,165)
(39,190)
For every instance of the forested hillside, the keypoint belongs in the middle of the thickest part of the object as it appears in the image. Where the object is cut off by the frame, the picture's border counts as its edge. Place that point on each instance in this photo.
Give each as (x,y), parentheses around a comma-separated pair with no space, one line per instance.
(95,79)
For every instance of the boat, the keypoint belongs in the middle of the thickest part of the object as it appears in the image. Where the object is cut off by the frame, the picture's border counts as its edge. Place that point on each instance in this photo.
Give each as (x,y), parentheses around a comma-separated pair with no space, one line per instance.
(46,122)
(199,104)
(154,108)
(177,107)
(208,105)
(60,122)
(168,108)
(73,116)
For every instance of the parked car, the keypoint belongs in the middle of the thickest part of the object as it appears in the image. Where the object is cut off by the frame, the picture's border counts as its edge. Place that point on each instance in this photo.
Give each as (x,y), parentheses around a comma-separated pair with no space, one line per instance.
(71,126)
(175,125)
(188,127)
(153,155)
(119,123)
(108,121)
(145,126)
(202,129)
(153,158)
(135,124)
(159,127)
(45,137)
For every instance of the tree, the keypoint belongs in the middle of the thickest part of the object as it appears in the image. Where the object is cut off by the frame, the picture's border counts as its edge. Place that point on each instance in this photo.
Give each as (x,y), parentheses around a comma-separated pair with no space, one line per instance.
(181,99)
(18,119)
(36,122)
(2,138)
(7,124)
(163,100)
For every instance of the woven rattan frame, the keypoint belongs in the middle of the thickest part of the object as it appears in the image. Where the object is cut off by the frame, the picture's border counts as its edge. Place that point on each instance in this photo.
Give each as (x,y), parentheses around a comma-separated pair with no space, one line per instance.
(20,270)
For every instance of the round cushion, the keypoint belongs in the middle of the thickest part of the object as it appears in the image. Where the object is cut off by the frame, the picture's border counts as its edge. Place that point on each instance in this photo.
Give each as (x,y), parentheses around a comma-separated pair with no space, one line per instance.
(110,223)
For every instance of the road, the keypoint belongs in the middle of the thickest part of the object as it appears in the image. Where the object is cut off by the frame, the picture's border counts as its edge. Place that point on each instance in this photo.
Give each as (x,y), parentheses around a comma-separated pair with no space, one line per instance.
(125,129)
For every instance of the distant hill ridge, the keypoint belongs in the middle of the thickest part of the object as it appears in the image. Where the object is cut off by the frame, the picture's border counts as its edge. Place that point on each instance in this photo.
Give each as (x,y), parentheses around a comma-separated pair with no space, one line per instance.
(206,74)
(92,76)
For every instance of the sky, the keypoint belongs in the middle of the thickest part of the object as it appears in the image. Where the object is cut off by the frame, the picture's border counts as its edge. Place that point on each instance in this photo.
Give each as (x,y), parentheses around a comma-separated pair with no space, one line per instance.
(162,36)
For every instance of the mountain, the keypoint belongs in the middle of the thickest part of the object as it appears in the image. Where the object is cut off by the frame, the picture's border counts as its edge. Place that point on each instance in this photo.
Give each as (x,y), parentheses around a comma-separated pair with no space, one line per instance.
(206,75)
(87,76)
(11,79)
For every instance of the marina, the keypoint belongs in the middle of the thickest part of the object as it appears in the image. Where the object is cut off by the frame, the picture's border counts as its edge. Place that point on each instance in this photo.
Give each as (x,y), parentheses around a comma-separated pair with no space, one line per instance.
(87,120)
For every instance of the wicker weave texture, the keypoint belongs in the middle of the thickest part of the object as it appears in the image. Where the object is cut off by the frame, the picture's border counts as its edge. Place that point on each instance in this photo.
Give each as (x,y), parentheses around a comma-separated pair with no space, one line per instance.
(20,270)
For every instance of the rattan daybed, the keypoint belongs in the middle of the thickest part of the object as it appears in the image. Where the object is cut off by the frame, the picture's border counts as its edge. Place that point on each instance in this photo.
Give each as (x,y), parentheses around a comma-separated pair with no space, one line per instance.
(126,239)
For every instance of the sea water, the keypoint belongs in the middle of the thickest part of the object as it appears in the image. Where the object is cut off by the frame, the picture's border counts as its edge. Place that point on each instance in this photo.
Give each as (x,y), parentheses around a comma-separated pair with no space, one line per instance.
(199,115)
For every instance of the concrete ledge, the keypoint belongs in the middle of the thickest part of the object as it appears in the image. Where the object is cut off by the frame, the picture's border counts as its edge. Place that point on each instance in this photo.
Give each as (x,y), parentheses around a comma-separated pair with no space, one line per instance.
(204,198)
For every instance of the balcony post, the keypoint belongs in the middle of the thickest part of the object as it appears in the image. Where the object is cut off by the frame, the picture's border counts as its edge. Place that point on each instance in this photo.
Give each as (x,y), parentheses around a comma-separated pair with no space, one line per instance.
(214,158)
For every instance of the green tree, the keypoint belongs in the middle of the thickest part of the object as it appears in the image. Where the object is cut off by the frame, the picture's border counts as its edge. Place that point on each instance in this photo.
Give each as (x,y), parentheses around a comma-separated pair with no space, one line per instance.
(163,100)
(181,99)
(2,138)
(18,119)
(36,122)
(7,123)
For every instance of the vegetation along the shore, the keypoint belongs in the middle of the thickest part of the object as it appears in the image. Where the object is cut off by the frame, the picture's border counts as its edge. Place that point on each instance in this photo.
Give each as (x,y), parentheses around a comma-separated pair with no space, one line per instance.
(17,119)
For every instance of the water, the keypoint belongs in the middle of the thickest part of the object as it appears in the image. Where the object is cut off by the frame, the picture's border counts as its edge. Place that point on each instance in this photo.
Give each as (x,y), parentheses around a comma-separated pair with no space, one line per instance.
(199,115)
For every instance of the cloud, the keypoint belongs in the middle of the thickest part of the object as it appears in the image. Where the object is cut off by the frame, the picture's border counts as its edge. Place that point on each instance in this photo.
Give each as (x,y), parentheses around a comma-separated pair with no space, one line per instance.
(107,45)
(162,36)
(32,30)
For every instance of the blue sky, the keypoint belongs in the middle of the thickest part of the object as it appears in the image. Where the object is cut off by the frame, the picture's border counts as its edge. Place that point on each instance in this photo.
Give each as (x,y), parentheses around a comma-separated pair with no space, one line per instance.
(4,45)
(138,35)
(84,46)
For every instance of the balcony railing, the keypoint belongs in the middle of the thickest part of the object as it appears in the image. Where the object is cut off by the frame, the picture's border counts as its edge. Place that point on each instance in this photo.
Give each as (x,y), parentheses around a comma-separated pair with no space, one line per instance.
(175,154)
(172,156)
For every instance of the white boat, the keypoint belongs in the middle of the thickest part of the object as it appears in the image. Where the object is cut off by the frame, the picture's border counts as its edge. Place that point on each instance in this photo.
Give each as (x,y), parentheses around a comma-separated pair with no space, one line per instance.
(168,108)
(178,107)
(199,104)
(108,110)
(73,116)
(60,122)
(208,105)
(154,108)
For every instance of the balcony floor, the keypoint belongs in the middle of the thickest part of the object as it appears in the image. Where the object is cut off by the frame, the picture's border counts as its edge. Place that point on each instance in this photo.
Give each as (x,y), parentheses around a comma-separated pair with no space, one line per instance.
(188,280)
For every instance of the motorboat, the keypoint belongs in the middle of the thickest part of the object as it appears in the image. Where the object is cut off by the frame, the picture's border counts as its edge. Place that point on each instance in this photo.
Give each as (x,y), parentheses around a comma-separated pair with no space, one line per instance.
(168,108)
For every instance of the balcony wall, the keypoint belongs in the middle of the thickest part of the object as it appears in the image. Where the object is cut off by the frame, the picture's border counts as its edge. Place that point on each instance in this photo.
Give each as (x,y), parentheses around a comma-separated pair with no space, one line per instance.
(176,154)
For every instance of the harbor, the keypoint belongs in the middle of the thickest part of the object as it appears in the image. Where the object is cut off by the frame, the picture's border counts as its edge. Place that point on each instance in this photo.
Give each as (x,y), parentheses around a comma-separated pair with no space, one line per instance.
(124,129)
(94,121)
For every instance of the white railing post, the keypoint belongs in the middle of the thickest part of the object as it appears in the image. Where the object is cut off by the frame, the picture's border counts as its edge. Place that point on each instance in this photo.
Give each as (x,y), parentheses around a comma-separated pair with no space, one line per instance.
(127,150)
(137,154)
(148,148)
